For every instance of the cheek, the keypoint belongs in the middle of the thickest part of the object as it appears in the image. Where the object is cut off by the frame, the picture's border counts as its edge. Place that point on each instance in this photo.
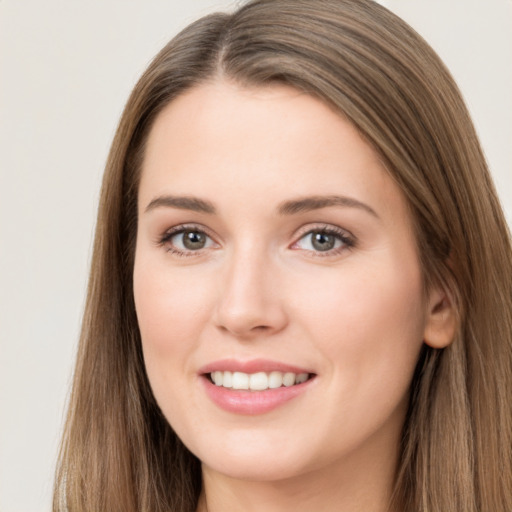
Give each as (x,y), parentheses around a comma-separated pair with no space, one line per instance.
(353,302)
(168,306)
(368,322)
(368,326)
(170,312)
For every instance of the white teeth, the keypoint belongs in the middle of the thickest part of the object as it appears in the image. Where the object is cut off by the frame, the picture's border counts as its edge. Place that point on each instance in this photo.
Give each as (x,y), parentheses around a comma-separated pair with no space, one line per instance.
(289,379)
(227,380)
(217,378)
(240,380)
(257,381)
(301,377)
(275,380)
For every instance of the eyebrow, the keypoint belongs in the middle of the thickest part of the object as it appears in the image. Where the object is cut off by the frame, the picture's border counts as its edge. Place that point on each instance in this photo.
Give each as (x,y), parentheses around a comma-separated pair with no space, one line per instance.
(291,207)
(183,203)
(310,203)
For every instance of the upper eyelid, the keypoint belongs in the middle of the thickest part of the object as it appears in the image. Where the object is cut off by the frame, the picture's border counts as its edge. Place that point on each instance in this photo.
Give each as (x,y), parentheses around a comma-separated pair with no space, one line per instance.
(322,226)
(186,227)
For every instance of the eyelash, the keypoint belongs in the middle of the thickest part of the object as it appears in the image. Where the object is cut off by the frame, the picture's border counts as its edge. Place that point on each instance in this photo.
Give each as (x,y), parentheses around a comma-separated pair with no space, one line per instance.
(347,240)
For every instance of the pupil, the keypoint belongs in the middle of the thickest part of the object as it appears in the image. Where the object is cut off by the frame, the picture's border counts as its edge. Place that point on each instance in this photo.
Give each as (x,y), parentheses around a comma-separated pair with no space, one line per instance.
(323,241)
(194,240)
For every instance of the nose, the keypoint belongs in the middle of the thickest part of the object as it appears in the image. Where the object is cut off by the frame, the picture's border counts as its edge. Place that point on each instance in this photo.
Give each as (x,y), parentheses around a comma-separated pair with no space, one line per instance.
(250,302)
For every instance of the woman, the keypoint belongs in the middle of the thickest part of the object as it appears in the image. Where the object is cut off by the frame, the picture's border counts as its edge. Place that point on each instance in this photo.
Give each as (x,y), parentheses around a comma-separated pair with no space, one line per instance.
(301,289)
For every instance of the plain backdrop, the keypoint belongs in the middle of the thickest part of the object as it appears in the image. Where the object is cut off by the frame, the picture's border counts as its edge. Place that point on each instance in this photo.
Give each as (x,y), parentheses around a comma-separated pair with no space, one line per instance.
(66,69)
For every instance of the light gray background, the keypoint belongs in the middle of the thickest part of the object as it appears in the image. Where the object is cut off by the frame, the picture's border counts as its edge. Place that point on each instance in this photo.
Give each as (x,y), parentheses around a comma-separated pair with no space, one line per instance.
(66,69)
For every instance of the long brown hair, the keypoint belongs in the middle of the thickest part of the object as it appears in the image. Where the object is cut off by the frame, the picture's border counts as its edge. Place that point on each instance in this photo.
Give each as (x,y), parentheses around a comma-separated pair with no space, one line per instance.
(118,451)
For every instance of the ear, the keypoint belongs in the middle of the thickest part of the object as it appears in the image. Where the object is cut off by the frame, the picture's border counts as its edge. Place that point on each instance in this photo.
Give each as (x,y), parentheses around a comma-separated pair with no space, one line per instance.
(440,321)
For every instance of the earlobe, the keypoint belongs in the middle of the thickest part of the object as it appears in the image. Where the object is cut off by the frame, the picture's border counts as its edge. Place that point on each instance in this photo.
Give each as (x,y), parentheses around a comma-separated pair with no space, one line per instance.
(441,322)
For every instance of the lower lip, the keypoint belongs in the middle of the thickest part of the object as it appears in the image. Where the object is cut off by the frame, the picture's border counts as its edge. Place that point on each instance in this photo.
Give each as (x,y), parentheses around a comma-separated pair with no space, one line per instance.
(252,402)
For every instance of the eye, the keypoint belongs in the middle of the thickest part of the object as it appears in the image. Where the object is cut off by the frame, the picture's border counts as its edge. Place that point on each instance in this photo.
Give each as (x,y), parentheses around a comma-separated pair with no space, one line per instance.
(190,240)
(182,240)
(324,240)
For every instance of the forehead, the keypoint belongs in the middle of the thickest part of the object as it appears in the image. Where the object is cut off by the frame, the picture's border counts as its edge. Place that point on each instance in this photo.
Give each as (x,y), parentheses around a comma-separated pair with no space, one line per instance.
(222,141)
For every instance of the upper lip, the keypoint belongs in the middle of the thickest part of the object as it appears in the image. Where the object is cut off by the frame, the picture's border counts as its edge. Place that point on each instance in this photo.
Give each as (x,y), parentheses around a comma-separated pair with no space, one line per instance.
(251,366)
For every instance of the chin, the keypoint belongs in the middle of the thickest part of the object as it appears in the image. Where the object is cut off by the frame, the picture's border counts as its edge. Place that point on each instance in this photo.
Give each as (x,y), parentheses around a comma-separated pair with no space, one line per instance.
(256,469)
(256,461)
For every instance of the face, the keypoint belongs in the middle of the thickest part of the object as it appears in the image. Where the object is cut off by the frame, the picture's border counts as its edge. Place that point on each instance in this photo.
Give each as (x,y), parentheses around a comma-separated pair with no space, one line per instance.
(277,284)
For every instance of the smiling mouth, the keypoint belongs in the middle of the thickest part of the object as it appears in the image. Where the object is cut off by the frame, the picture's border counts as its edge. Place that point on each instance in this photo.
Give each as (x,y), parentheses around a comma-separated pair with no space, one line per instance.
(259,381)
